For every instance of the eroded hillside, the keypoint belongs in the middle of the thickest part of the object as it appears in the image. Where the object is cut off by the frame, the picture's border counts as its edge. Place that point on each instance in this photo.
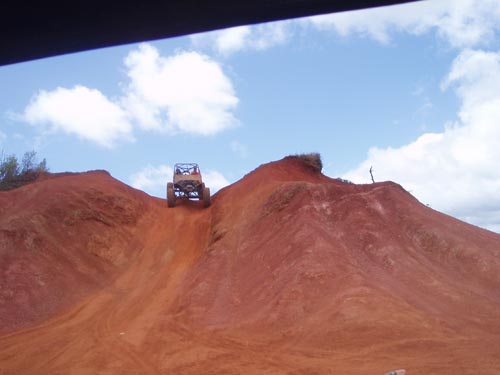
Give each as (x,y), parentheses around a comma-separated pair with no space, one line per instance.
(288,272)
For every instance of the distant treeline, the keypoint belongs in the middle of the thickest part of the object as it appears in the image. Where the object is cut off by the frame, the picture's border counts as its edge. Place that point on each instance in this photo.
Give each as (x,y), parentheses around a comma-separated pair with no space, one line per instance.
(14,174)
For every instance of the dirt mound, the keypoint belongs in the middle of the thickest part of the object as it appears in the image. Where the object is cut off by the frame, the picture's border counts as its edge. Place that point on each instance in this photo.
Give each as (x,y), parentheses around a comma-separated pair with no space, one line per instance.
(288,272)
(61,238)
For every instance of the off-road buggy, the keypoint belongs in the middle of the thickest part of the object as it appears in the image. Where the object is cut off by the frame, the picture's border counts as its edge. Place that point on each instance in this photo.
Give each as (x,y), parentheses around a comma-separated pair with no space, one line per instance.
(187,183)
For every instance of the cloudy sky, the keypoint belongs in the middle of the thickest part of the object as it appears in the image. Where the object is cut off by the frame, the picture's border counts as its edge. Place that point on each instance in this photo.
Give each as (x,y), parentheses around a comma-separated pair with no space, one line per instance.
(412,90)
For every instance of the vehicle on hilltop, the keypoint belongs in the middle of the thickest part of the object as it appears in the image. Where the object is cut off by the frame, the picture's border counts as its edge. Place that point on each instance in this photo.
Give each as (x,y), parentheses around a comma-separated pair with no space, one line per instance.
(187,183)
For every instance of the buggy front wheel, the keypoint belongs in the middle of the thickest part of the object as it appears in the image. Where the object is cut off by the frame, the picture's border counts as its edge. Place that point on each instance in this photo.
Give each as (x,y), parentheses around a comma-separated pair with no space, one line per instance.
(170,195)
(206,197)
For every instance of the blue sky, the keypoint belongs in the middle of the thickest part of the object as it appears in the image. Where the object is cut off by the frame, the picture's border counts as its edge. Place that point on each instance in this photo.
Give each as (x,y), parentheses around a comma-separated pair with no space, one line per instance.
(413,90)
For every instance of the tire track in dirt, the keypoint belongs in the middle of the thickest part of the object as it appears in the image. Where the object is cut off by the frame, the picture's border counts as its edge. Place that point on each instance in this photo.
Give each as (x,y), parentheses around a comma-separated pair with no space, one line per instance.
(144,291)
(124,324)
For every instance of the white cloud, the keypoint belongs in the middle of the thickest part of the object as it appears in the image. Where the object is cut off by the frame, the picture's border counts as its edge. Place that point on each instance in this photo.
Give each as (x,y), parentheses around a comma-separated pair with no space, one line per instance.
(187,92)
(225,41)
(153,179)
(244,38)
(214,180)
(463,23)
(239,149)
(476,76)
(81,111)
(455,171)
(3,136)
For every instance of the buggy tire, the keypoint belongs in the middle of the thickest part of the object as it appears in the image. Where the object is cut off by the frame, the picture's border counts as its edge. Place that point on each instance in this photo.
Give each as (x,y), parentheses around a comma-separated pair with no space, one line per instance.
(206,197)
(201,190)
(170,195)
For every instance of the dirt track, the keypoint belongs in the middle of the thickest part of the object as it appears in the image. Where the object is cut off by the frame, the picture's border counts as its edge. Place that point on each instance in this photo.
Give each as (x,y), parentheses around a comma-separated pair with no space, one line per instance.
(289,272)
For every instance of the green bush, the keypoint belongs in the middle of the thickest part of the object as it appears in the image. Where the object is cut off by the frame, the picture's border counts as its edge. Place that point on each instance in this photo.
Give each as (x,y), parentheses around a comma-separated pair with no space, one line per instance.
(14,175)
(312,160)
(344,181)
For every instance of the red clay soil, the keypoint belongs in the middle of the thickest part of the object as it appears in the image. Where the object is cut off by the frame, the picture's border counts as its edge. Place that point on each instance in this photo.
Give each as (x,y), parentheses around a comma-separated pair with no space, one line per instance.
(288,272)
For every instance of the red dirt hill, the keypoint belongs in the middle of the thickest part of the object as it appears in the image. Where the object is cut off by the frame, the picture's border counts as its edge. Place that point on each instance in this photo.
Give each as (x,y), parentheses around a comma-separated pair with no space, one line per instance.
(288,272)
